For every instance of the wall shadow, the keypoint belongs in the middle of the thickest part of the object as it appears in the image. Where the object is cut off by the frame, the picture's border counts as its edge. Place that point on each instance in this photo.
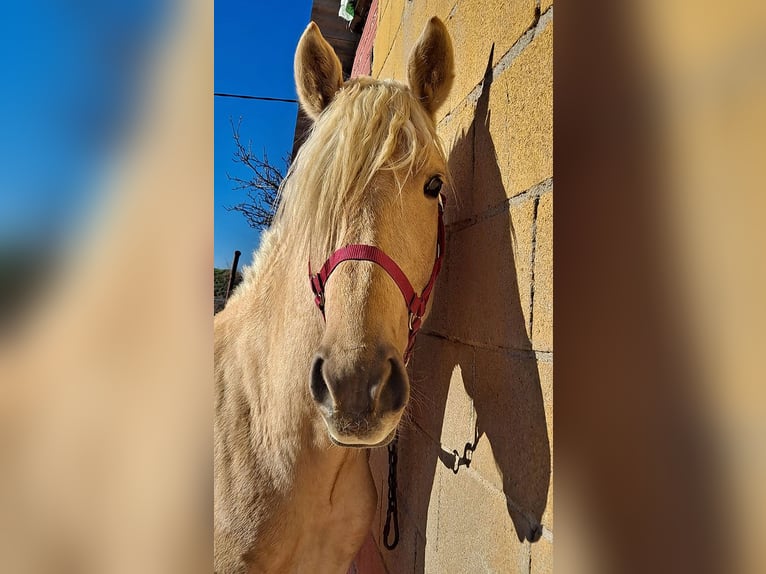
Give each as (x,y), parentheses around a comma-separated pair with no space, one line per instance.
(477,301)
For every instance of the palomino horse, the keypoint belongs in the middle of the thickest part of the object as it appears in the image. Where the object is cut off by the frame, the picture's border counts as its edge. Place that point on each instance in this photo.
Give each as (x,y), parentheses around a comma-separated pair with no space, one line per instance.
(297,387)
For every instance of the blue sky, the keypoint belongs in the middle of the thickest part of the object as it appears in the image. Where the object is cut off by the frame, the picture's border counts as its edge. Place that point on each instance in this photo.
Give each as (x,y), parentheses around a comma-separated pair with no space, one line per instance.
(254,47)
(71,81)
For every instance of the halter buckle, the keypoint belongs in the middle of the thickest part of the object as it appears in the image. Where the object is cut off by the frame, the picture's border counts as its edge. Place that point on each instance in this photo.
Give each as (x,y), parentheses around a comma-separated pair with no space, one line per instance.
(416,309)
(318,289)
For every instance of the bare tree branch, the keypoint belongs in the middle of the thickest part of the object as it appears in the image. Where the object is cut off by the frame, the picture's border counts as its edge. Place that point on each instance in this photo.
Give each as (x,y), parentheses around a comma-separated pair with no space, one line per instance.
(262,183)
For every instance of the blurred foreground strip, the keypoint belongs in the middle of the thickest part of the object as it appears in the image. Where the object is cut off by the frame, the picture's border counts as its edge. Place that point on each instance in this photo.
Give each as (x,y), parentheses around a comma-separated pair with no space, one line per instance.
(660,390)
(105,441)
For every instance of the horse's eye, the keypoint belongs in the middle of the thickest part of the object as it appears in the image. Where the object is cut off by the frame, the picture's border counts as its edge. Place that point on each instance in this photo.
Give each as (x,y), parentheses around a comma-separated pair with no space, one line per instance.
(433,187)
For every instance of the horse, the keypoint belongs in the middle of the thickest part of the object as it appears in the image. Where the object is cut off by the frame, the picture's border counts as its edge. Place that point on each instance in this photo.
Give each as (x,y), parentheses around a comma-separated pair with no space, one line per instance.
(310,366)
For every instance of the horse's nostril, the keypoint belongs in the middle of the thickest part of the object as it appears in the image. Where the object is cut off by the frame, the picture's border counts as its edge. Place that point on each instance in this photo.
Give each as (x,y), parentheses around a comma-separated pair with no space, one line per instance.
(395,392)
(319,390)
(358,388)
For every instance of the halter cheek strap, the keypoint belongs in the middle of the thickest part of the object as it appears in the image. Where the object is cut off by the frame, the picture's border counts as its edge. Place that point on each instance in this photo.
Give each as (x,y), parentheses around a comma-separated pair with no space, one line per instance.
(416,304)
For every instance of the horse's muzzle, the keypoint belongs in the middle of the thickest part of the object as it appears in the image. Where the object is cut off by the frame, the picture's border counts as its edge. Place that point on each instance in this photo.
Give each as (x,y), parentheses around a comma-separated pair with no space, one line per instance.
(360,395)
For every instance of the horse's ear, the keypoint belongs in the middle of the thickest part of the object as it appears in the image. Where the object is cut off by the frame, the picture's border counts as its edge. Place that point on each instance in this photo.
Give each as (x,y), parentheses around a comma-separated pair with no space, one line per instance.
(431,67)
(318,73)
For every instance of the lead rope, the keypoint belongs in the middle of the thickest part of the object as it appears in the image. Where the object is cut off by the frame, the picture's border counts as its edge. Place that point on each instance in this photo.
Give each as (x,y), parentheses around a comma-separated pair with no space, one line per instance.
(393,511)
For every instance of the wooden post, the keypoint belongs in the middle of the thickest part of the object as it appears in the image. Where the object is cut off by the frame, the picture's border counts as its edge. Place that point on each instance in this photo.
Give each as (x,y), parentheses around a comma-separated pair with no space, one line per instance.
(232,273)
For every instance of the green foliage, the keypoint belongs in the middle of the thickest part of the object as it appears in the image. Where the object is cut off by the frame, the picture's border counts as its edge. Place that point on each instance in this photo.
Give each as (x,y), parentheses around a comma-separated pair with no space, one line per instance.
(221,281)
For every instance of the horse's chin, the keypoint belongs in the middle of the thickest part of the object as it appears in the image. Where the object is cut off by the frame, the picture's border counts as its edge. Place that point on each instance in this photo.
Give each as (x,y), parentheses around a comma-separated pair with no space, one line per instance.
(359,443)
(360,431)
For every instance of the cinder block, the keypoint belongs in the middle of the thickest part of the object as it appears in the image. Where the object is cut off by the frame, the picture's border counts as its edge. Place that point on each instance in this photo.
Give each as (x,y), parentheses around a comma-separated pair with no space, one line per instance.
(381,42)
(389,19)
(409,554)
(545,370)
(413,18)
(542,557)
(405,32)
(484,462)
(472,29)
(418,13)
(391,10)
(522,225)
(418,457)
(514,449)
(455,128)
(417,461)
(438,321)
(483,296)
(542,321)
(439,404)
(392,62)
(475,533)
(518,131)
(475,27)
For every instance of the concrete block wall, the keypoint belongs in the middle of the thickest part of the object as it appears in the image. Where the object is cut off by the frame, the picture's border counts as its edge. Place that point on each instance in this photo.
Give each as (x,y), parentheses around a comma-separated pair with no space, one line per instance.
(482,373)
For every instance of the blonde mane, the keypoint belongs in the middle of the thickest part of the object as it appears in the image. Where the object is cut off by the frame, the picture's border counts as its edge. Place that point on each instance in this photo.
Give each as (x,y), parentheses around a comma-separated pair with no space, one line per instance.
(372,126)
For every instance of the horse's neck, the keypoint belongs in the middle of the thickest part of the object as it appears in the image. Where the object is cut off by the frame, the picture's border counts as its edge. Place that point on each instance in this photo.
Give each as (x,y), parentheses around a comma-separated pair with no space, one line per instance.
(285,333)
(300,483)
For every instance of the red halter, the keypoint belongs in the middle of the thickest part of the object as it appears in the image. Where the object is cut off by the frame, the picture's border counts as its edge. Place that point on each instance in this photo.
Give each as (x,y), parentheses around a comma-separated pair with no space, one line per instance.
(416,305)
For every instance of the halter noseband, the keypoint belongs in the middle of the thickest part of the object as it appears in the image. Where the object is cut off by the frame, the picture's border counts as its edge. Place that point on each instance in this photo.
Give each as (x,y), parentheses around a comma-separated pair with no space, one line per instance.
(416,304)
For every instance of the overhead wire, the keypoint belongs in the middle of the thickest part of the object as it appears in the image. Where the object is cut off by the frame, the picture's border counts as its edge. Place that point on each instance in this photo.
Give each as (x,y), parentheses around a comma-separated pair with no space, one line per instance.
(262,98)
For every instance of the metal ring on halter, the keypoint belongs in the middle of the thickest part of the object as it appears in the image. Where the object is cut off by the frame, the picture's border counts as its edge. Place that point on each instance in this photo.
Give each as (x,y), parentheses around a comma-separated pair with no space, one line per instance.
(412,318)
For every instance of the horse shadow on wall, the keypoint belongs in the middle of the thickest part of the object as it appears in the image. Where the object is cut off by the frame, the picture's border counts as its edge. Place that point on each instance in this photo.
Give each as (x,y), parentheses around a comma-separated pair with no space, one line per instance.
(477,327)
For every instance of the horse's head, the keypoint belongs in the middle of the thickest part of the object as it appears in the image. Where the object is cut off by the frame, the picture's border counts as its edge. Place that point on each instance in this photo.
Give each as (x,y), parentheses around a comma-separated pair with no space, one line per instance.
(369,174)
